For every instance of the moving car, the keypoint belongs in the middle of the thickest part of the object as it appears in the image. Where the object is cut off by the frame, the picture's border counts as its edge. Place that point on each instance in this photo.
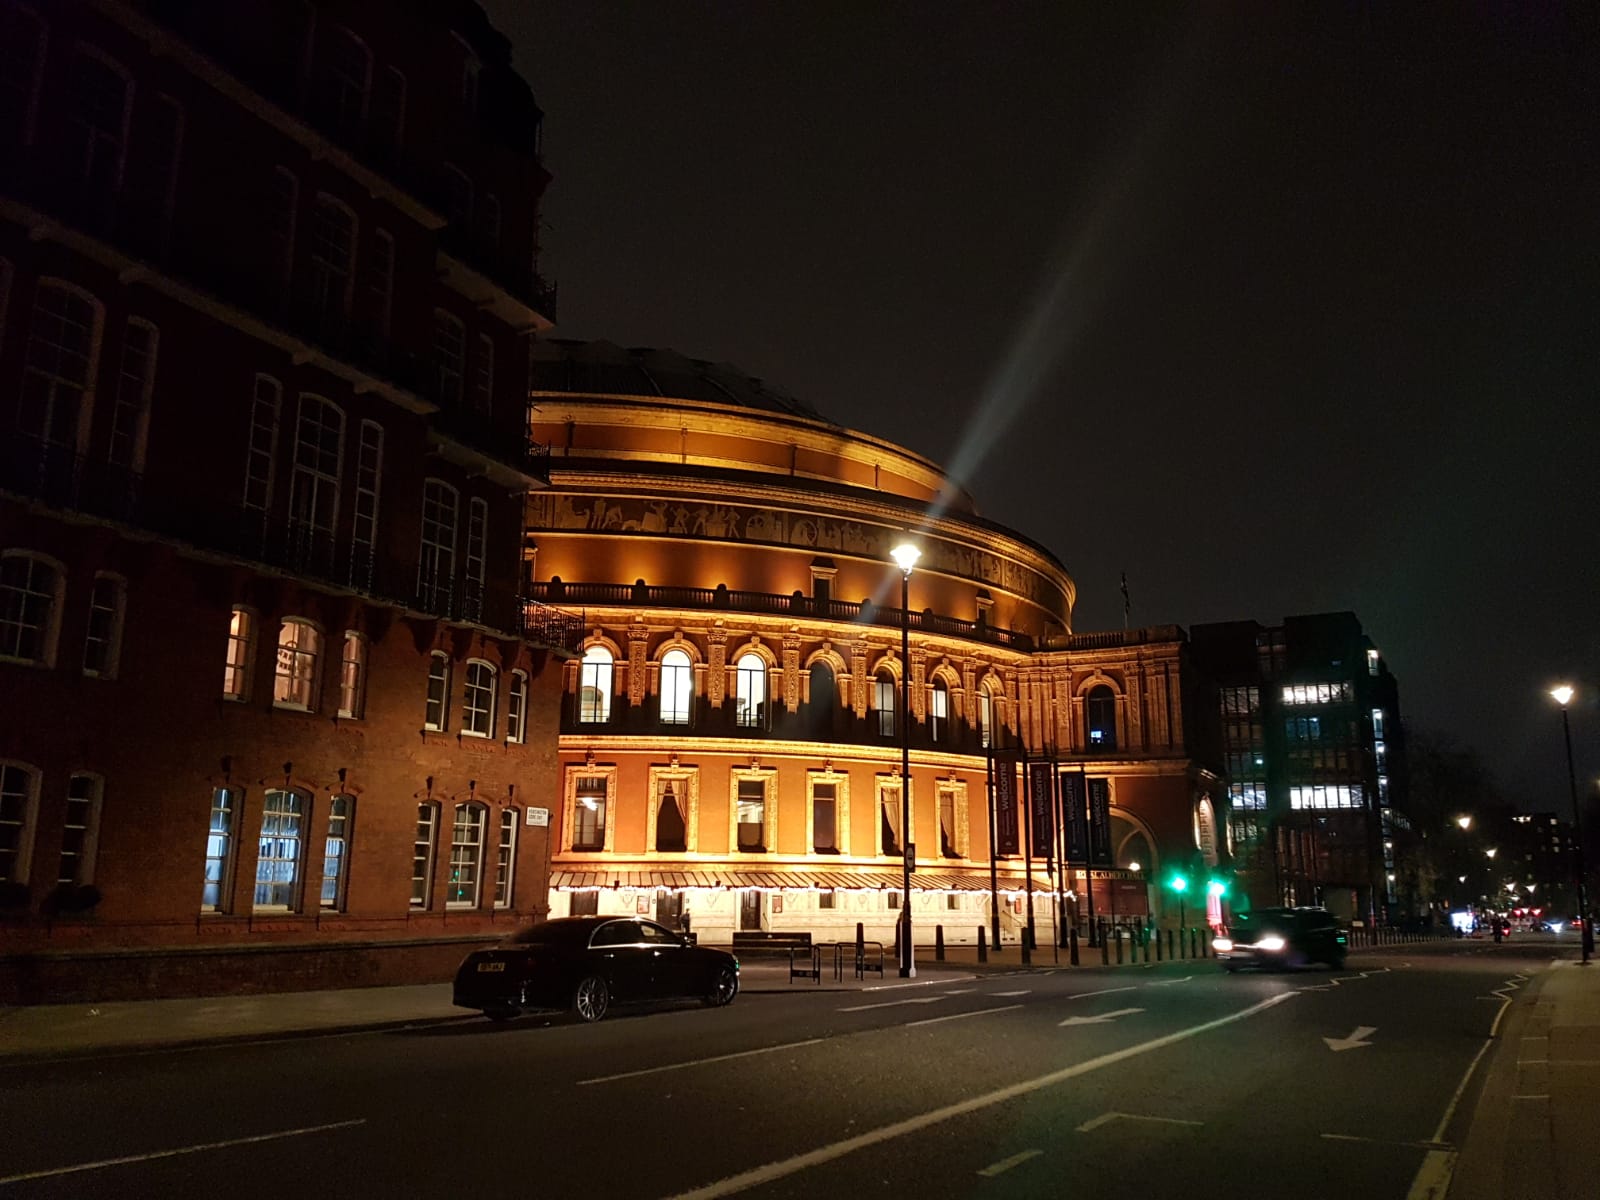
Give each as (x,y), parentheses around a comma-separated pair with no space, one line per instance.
(588,964)
(1281,937)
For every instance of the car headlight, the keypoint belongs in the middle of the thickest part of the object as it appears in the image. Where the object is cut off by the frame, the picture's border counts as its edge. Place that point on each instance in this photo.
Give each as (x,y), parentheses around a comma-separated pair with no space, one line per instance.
(1222,943)
(1271,944)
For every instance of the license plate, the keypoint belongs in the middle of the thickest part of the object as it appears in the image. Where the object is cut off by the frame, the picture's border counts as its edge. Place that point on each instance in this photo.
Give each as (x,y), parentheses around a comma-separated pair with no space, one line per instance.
(494,966)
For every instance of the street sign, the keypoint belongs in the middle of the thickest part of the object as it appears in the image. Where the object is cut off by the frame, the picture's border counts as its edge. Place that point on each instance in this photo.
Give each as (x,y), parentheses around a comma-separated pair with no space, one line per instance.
(538,816)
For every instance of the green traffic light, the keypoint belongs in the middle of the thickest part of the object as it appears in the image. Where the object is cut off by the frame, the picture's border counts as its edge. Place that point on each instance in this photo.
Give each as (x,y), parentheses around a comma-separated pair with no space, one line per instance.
(1178,883)
(1216,888)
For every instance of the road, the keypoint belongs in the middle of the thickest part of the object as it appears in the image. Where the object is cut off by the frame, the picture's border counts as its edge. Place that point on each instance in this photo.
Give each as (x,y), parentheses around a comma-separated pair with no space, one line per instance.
(1168,1080)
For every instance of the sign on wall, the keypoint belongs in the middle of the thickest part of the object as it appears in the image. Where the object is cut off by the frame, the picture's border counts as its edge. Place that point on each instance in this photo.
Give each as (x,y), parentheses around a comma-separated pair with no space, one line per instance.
(538,816)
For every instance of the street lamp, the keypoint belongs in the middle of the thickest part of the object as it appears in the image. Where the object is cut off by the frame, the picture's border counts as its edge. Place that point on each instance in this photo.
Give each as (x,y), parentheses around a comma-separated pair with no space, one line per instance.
(1563,696)
(905,556)
(1465,822)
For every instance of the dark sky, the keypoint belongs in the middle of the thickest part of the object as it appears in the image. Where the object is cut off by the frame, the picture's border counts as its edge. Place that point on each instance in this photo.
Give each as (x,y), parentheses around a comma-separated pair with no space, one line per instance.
(1277,308)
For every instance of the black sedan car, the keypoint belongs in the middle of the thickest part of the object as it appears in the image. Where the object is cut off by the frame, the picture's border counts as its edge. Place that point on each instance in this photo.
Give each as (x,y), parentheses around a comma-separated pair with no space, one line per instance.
(588,964)
(1282,937)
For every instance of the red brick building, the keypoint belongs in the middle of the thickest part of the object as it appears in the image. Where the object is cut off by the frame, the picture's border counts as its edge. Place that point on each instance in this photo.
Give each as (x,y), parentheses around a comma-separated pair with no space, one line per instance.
(273,711)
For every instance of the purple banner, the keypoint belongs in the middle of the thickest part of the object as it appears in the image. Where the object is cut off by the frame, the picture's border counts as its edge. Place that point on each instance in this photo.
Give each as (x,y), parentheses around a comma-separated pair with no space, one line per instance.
(1100,822)
(1041,806)
(1075,819)
(1005,805)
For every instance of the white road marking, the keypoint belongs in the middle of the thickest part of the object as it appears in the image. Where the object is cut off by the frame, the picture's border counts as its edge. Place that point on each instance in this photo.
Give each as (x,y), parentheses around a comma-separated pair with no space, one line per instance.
(1023,992)
(1169,982)
(133,1158)
(1107,1118)
(1351,1137)
(893,1003)
(1356,1041)
(783,1168)
(977,1012)
(1101,1018)
(1541,1096)
(1005,1164)
(698,1062)
(961,992)
(1101,992)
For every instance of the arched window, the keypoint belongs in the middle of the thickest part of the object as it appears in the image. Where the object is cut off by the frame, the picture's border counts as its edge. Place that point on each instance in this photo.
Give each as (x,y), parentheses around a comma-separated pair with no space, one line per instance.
(517,708)
(476,559)
(939,711)
(594,687)
(883,699)
(436,565)
(449,357)
(218,885)
(347,81)
(102,647)
(241,653)
(353,676)
(80,828)
(466,856)
(299,655)
(19,798)
(282,847)
(824,698)
(99,91)
(424,846)
(672,827)
(332,255)
(260,459)
(369,483)
(750,692)
(130,416)
(477,700)
(1100,717)
(985,718)
(677,687)
(58,377)
(336,851)
(30,607)
(505,861)
(438,691)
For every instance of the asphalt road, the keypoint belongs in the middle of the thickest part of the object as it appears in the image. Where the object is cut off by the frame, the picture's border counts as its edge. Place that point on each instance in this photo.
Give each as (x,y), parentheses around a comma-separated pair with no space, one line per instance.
(1170,1080)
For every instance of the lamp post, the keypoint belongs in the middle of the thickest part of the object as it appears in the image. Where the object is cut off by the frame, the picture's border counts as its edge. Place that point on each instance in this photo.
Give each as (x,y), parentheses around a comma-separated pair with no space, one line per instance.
(905,556)
(1563,696)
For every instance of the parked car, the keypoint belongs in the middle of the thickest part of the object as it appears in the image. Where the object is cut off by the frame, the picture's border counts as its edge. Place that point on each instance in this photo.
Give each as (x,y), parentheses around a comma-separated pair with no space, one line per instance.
(588,964)
(1282,937)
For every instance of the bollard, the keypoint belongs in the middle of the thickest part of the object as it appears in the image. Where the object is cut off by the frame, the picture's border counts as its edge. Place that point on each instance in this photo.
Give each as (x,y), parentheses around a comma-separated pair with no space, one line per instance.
(1105,950)
(938,943)
(898,926)
(1072,946)
(1027,950)
(1171,951)
(1119,949)
(983,944)
(1158,945)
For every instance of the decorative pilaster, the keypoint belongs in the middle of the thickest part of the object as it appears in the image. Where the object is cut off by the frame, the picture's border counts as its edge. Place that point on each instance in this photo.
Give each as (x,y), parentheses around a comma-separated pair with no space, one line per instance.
(791,670)
(919,683)
(858,677)
(717,665)
(638,647)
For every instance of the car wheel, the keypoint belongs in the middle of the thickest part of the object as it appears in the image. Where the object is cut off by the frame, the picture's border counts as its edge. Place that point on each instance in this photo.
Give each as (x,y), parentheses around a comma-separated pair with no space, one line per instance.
(592,998)
(723,988)
(499,1014)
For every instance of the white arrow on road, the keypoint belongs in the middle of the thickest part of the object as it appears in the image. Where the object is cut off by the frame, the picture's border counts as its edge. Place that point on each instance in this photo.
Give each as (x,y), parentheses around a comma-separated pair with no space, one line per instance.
(1355,1041)
(1101,1018)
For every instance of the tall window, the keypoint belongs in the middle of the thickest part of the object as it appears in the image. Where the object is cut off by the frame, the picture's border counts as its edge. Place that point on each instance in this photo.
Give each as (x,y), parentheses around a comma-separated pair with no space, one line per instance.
(449,357)
(517,708)
(278,858)
(318,451)
(18,797)
(889,818)
(353,676)
(22,41)
(483,375)
(949,824)
(135,379)
(589,814)
(477,700)
(80,826)
(30,607)
(336,851)
(97,126)
(283,203)
(939,712)
(389,110)
(103,645)
(332,260)
(424,846)
(1100,715)
(347,82)
(750,692)
(677,687)
(458,198)
(261,456)
(466,857)
(299,651)
(985,718)
(378,286)
(364,530)
(438,691)
(241,653)
(823,701)
(477,555)
(883,690)
(436,568)
(60,365)
(594,686)
(152,176)
(825,818)
(672,818)
(752,816)
(219,850)
(505,857)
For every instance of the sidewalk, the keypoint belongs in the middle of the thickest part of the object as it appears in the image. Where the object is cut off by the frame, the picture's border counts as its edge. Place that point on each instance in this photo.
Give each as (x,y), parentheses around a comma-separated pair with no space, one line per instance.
(1531,1135)
(66,1030)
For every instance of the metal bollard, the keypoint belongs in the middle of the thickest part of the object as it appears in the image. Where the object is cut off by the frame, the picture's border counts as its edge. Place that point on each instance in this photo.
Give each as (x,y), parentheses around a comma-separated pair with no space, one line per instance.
(1105,950)
(983,944)
(1119,949)
(1072,946)
(938,943)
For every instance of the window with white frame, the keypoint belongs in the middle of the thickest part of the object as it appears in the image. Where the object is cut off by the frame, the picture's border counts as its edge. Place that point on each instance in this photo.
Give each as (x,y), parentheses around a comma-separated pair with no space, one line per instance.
(589,813)
(283,203)
(505,858)
(364,527)
(336,851)
(241,654)
(102,646)
(353,676)
(80,827)
(377,287)
(939,711)
(477,700)
(130,415)
(752,816)
(214,892)
(261,455)
(449,357)
(60,366)
(466,857)
(347,83)
(436,566)
(99,91)
(438,692)
(883,699)
(280,849)
(750,692)
(483,375)
(22,43)
(19,797)
(594,686)
(30,607)
(517,708)
(299,653)
(331,257)
(476,558)
(314,487)
(677,687)
(424,846)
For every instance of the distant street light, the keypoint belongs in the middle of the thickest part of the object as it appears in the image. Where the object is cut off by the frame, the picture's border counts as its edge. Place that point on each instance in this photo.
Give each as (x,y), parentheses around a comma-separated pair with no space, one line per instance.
(1464,821)
(1492,851)
(905,556)
(1563,696)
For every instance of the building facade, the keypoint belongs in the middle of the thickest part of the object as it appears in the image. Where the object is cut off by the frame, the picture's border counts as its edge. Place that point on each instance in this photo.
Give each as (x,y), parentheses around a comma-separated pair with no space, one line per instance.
(731,739)
(268,289)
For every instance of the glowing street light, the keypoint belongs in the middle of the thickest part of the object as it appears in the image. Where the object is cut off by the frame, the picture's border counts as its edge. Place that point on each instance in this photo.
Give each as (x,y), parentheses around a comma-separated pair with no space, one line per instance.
(1563,696)
(905,556)
(1464,821)
(1491,851)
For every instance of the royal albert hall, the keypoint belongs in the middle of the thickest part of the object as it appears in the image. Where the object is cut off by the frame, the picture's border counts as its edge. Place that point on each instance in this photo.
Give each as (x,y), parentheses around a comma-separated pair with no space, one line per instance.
(731,737)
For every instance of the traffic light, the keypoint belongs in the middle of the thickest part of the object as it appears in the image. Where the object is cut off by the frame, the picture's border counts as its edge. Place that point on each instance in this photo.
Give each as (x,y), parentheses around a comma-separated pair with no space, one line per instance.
(1178,882)
(1217,887)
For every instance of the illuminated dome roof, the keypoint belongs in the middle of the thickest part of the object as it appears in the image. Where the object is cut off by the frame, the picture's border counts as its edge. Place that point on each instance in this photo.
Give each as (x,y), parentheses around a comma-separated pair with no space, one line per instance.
(604,369)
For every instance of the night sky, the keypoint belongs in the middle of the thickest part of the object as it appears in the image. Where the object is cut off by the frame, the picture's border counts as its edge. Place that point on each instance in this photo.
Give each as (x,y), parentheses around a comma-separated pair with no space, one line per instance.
(1278,308)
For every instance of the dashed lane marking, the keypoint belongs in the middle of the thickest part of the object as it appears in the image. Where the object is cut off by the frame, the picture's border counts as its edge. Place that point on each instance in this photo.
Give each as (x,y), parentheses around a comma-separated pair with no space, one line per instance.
(1005,1164)
(1106,1119)
(893,1003)
(698,1062)
(977,1012)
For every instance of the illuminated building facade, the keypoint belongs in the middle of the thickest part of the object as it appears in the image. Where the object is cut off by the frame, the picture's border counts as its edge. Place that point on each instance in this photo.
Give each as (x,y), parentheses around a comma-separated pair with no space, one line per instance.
(730,741)
(267,682)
